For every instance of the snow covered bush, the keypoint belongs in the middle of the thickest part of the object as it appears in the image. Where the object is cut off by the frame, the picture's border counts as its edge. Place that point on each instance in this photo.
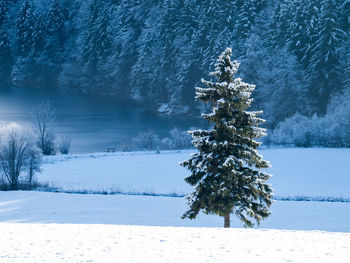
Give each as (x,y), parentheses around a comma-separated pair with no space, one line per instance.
(180,139)
(146,141)
(64,145)
(297,130)
(330,130)
(338,115)
(17,156)
(166,144)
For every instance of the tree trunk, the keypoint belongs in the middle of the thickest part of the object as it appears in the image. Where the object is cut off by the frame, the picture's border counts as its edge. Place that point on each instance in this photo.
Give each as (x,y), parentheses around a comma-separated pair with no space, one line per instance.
(227,221)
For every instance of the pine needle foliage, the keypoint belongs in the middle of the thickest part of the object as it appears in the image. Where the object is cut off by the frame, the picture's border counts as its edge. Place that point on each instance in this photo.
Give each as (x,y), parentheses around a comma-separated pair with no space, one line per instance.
(226,170)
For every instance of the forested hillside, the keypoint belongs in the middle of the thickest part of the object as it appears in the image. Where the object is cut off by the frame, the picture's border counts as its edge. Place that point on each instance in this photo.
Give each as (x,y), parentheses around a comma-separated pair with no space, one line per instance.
(155,52)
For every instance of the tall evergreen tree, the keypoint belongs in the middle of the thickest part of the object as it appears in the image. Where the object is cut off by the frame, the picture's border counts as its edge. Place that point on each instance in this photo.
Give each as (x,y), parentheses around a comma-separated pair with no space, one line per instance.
(324,71)
(202,46)
(260,5)
(3,11)
(29,67)
(5,46)
(96,48)
(55,25)
(25,25)
(5,58)
(252,63)
(155,82)
(297,37)
(276,32)
(246,19)
(188,63)
(127,29)
(347,64)
(143,78)
(25,42)
(169,50)
(311,10)
(345,15)
(282,81)
(55,37)
(97,40)
(226,169)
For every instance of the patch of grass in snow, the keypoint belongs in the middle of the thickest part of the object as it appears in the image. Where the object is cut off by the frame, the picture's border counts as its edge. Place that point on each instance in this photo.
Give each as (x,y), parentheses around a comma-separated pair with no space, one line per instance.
(314,199)
(48,188)
(114,191)
(63,158)
(24,186)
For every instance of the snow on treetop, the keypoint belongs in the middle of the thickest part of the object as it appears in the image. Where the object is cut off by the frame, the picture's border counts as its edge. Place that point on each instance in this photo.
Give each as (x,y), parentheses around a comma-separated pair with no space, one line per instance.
(225,65)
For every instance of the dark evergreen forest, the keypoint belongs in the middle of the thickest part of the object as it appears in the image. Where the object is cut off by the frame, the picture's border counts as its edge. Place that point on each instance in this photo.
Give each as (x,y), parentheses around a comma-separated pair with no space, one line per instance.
(154,52)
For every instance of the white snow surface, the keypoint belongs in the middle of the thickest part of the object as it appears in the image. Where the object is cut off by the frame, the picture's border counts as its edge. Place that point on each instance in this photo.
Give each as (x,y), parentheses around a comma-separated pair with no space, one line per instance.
(43,207)
(60,227)
(110,243)
(127,172)
(311,172)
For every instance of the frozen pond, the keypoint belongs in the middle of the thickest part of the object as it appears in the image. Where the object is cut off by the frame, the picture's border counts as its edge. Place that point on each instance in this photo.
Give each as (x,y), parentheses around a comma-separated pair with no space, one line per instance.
(93,123)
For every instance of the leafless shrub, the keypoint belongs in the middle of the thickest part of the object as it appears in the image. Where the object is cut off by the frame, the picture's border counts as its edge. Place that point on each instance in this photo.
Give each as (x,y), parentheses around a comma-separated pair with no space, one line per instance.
(64,145)
(43,118)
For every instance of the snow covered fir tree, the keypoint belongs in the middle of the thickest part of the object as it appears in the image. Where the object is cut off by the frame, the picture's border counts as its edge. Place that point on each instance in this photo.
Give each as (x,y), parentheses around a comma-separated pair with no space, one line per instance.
(226,170)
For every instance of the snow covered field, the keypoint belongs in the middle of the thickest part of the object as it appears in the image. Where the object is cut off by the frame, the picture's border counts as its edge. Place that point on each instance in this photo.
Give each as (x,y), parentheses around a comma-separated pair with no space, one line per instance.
(41,207)
(110,243)
(59,227)
(311,172)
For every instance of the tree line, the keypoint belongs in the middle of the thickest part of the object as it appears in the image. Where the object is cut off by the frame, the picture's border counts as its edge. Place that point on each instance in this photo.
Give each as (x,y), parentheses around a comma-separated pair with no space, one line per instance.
(155,52)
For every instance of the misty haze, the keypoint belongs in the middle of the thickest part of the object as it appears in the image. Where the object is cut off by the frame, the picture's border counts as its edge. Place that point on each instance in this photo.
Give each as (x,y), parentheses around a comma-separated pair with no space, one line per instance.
(93,123)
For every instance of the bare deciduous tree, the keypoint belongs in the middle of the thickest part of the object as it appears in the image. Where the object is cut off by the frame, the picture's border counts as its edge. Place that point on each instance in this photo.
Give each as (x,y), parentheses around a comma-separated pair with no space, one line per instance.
(16,154)
(43,118)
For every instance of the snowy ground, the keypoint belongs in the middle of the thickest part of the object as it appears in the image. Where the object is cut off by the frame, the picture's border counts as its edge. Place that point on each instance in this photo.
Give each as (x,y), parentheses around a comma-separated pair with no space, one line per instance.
(41,207)
(110,243)
(296,172)
(127,172)
(60,227)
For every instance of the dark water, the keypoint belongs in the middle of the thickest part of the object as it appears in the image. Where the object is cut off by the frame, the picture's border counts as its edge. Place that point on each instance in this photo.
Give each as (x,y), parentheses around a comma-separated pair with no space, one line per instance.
(93,123)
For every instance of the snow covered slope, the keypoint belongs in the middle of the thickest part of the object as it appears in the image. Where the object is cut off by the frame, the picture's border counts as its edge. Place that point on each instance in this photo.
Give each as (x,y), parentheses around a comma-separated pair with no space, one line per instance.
(311,172)
(108,243)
